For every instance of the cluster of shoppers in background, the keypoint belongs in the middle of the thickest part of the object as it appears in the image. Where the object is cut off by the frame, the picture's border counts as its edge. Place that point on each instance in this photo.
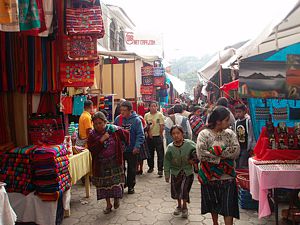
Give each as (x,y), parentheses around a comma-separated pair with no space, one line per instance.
(210,142)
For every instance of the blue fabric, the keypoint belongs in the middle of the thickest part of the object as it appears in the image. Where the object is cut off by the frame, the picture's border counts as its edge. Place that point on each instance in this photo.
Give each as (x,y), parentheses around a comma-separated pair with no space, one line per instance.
(134,125)
(272,103)
(78,105)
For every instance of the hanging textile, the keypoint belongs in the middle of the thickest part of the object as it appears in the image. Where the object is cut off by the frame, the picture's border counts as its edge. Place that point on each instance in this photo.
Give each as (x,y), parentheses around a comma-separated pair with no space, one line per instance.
(29,15)
(77,74)
(14,25)
(28,64)
(80,48)
(4,133)
(48,12)
(78,105)
(85,21)
(67,104)
(6,11)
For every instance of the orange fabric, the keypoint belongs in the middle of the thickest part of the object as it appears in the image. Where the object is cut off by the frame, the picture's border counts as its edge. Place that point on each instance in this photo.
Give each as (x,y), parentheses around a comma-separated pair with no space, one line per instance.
(85,122)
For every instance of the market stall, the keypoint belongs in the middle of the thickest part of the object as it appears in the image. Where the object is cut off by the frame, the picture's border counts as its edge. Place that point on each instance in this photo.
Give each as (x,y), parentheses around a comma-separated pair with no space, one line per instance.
(40,69)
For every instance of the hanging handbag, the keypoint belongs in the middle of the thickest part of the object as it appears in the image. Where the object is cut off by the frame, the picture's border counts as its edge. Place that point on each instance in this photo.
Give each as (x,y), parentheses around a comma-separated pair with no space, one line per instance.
(147,80)
(147,98)
(85,21)
(46,129)
(159,81)
(80,48)
(159,71)
(77,74)
(146,90)
(147,71)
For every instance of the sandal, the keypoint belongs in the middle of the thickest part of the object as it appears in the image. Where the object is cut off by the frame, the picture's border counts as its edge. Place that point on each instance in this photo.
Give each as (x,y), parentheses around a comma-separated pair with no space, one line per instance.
(116,203)
(107,210)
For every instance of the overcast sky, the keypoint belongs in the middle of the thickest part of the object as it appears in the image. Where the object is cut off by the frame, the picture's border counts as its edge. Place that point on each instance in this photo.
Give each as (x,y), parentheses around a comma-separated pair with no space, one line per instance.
(197,27)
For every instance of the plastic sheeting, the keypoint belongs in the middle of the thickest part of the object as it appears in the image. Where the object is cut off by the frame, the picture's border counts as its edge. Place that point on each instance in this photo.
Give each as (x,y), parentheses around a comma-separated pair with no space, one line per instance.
(178,84)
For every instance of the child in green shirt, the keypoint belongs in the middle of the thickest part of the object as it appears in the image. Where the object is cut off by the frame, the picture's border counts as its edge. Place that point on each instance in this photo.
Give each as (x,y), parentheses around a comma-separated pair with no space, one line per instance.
(179,160)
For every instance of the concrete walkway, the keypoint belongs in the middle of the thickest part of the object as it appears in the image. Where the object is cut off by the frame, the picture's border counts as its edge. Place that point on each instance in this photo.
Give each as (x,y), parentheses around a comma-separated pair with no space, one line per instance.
(151,204)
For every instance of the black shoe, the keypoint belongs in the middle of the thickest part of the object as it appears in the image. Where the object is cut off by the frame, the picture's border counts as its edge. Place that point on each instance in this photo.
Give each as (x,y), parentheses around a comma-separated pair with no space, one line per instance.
(131,191)
(150,170)
(160,173)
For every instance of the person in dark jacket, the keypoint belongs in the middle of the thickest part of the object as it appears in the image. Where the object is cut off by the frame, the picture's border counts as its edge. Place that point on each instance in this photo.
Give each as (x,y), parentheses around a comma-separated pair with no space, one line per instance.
(130,121)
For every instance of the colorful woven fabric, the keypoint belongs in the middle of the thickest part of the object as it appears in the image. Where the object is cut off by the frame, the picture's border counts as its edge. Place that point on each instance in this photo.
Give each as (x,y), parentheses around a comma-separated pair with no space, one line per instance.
(78,74)
(6,11)
(159,81)
(209,170)
(14,10)
(280,113)
(29,15)
(85,21)
(159,71)
(80,48)
(147,90)
(67,104)
(262,113)
(147,71)
(147,98)
(147,80)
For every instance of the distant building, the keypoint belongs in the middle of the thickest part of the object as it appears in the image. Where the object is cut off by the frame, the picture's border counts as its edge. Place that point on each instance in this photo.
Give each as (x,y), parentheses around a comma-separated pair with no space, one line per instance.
(116,23)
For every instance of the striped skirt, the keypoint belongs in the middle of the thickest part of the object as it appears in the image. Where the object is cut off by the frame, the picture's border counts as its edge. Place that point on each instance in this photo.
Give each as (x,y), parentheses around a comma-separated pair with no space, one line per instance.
(220,197)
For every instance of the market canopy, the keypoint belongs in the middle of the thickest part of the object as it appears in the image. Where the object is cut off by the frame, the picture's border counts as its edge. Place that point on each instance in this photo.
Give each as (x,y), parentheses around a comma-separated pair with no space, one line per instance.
(213,66)
(178,84)
(283,31)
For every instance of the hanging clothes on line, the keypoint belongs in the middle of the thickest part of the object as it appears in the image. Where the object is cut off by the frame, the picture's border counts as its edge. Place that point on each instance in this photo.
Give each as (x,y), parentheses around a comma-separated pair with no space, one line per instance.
(67,104)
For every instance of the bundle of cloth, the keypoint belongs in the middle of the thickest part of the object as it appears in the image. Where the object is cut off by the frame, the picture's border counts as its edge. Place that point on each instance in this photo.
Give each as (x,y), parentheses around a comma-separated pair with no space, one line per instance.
(16,169)
(208,171)
(51,173)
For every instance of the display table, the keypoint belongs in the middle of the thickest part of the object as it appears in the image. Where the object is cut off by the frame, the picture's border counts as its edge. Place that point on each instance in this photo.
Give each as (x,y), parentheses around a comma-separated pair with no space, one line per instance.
(271,176)
(80,166)
(7,214)
(30,208)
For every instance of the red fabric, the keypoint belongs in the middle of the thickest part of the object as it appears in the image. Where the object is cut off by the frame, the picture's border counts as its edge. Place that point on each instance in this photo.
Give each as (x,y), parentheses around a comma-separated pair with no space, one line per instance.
(263,153)
(141,110)
(230,86)
(48,103)
(67,103)
(36,31)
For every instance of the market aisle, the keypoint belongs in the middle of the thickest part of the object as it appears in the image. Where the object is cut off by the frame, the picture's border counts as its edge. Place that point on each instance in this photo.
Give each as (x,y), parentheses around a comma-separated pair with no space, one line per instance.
(151,204)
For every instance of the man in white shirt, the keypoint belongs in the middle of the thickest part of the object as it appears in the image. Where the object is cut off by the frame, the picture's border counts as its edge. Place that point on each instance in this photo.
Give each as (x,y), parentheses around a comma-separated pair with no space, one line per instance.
(177,119)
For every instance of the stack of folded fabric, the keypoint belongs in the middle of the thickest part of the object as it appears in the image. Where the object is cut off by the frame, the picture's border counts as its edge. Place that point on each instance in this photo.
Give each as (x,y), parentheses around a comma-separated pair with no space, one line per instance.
(51,173)
(16,169)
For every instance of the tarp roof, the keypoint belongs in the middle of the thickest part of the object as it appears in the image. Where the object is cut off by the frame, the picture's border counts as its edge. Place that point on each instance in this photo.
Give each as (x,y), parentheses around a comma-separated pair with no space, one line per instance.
(283,31)
(178,84)
(213,66)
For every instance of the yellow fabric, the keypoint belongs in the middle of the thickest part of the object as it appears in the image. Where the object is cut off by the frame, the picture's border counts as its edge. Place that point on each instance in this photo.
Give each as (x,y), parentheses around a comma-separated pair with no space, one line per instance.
(156,119)
(85,122)
(6,11)
(80,165)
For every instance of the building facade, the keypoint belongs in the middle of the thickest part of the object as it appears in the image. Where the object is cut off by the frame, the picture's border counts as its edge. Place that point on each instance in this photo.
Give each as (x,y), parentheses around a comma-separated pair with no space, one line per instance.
(116,23)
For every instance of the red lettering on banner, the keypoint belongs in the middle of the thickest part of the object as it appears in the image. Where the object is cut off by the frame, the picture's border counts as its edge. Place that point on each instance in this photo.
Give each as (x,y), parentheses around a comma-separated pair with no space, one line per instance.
(129,38)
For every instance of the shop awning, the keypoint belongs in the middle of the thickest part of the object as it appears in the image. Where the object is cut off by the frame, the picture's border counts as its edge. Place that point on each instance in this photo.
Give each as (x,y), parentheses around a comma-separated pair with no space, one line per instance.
(213,66)
(178,84)
(283,31)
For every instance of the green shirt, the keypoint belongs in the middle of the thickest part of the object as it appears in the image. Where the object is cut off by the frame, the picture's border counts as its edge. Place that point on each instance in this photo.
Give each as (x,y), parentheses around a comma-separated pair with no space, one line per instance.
(177,159)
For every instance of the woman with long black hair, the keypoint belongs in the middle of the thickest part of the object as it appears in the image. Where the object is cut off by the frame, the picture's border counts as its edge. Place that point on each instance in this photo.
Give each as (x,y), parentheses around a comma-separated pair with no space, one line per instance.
(217,149)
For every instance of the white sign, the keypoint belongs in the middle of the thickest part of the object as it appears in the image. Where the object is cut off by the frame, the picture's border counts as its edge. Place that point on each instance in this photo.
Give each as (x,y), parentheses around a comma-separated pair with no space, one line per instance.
(144,44)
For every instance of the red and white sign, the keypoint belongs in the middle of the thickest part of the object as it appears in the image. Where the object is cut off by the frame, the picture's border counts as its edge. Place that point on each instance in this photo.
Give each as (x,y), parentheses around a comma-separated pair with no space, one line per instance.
(144,43)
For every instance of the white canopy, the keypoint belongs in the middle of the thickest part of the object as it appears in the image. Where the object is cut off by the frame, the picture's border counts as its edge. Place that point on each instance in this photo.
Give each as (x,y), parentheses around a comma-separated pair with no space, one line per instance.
(213,66)
(283,31)
(178,84)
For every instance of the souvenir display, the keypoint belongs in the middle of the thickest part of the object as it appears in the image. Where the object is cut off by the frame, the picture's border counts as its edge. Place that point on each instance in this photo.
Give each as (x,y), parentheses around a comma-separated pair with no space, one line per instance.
(291,141)
(270,126)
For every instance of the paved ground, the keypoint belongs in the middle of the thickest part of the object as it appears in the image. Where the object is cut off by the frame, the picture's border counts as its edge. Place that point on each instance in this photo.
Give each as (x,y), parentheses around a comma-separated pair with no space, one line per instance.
(151,204)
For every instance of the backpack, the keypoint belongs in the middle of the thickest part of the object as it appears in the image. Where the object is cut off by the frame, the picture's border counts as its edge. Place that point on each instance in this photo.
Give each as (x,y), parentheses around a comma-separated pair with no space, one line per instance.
(183,124)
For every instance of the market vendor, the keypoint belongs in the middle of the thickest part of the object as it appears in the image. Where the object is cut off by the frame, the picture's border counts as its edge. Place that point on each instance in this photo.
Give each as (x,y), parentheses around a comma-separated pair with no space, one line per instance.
(85,124)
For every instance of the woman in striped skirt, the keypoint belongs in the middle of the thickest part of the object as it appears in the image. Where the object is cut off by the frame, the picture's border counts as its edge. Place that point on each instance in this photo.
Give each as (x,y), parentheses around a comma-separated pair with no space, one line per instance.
(217,148)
